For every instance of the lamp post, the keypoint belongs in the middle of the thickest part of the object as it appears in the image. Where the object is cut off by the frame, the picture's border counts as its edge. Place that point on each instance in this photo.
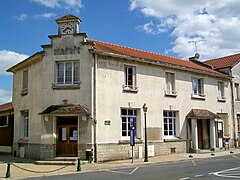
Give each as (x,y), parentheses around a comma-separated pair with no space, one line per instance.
(145,108)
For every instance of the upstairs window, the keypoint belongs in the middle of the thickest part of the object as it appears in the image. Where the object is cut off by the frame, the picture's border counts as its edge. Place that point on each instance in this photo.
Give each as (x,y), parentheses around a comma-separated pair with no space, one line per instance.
(25,83)
(130,78)
(221,93)
(237,92)
(170,84)
(68,73)
(197,87)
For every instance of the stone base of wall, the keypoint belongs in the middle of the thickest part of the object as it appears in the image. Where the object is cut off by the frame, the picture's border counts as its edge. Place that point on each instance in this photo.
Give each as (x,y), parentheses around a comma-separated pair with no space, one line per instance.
(107,152)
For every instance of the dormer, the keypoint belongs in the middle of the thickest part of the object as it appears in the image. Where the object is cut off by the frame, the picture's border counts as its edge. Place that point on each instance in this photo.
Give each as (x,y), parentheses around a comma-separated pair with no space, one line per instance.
(68,24)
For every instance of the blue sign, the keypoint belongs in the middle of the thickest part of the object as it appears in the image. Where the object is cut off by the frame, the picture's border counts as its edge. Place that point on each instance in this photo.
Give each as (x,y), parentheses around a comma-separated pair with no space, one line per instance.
(132,133)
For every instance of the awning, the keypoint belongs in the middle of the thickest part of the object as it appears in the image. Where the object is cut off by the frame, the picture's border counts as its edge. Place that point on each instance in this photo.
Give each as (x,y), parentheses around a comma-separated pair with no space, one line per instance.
(65,109)
(202,114)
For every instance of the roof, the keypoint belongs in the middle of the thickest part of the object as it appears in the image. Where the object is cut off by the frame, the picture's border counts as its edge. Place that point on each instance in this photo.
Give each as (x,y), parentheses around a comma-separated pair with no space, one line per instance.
(66,109)
(31,59)
(67,17)
(224,62)
(202,114)
(6,107)
(135,53)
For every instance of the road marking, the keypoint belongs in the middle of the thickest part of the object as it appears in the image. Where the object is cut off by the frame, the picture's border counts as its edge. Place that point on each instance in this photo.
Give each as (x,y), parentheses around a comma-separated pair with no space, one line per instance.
(229,173)
(120,172)
(193,163)
(236,157)
(199,176)
(184,178)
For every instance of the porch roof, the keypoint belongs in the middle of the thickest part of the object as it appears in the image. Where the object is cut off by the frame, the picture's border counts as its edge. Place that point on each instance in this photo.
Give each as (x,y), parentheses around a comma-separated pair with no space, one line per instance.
(202,114)
(65,109)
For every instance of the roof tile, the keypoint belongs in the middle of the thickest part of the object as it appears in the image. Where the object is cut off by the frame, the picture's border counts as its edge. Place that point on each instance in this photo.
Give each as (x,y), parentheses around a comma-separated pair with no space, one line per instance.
(6,107)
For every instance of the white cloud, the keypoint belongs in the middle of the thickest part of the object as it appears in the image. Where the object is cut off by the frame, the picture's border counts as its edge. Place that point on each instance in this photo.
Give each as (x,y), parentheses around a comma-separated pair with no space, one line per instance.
(8,59)
(5,96)
(45,15)
(70,5)
(216,21)
(48,3)
(21,17)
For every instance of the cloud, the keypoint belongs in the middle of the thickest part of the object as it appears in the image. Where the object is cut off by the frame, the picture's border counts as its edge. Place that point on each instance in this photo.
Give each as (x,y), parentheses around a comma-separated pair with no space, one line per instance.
(45,15)
(217,22)
(5,96)
(21,17)
(8,59)
(70,5)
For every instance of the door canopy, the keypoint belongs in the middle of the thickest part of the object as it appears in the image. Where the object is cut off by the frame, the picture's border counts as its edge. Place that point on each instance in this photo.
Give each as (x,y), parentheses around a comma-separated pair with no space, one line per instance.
(202,114)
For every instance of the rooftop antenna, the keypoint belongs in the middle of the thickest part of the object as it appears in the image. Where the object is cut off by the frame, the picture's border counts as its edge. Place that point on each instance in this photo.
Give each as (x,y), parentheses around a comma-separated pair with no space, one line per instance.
(195,43)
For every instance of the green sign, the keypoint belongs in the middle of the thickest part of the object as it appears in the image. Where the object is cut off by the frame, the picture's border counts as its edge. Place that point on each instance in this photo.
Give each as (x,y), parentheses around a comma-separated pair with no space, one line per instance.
(107,122)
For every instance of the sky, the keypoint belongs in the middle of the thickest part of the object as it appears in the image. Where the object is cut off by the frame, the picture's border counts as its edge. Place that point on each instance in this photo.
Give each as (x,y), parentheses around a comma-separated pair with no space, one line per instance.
(177,28)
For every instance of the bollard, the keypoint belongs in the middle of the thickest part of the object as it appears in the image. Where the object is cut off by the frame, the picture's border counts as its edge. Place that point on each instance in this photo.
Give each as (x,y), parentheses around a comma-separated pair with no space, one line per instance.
(8,170)
(79,165)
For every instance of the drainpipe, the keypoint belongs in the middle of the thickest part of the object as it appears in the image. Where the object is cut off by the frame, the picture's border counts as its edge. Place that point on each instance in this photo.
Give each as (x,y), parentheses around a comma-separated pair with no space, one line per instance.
(233,112)
(94,107)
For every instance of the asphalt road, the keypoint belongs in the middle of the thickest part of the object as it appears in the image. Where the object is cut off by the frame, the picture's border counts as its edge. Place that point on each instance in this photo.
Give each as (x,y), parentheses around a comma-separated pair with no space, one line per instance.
(225,167)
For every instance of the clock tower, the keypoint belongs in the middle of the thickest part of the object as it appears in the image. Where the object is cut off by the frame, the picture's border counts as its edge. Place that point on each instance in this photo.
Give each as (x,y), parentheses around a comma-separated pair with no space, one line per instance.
(68,24)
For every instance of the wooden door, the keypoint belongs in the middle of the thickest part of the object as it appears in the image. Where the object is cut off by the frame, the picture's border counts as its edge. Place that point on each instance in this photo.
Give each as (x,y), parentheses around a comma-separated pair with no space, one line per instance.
(67,138)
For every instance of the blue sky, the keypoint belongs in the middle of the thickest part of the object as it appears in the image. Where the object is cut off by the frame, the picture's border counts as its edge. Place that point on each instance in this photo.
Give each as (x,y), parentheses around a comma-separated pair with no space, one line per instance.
(159,26)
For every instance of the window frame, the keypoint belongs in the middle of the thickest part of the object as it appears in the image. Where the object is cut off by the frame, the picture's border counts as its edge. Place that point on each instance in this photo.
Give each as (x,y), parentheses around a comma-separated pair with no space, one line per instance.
(199,87)
(221,91)
(75,65)
(237,93)
(174,124)
(25,75)
(127,117)
(170,84)
(127,86)
(24,125)
(3,125)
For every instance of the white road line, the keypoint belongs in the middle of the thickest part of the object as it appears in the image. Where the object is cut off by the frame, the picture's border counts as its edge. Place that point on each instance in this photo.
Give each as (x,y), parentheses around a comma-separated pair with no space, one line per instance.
(184,178)
(199,176)
(229,173)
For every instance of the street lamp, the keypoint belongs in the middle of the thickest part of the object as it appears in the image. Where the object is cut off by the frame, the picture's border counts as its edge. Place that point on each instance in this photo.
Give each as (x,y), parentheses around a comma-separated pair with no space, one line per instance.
(145,108)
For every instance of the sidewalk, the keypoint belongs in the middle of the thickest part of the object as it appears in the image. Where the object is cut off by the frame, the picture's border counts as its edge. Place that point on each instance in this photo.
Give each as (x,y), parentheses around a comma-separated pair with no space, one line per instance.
(24,168)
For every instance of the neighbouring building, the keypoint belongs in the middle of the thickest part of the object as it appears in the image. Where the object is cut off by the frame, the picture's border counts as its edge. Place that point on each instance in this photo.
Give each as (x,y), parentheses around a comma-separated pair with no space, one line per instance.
(6,127)
(80,94)
(231,65)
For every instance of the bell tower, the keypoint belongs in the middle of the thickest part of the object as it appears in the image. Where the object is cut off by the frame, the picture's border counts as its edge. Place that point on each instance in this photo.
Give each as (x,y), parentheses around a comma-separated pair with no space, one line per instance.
(68,24)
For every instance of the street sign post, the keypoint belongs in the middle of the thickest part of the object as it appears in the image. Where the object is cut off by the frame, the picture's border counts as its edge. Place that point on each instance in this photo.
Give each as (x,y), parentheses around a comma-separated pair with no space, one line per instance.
(132,135)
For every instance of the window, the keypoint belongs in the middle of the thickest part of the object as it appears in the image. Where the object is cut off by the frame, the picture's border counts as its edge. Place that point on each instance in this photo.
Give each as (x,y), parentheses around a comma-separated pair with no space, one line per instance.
(130,78)
(221,93)
(238,121)
(3,121)
(169,120)
(197,87)
(127,116)
(68,73)
(25,125)
(170,84)
(25,83)
(237,92)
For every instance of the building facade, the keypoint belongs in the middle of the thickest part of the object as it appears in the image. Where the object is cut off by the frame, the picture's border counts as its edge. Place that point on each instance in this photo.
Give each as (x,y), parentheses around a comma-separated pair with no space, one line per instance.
(80,95)
(230,65)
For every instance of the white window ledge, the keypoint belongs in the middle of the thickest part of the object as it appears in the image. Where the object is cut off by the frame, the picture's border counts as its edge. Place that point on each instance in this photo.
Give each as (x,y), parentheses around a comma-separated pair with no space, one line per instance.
(199,96)
(66,86)
(130,88)
(221,99)
(170,93)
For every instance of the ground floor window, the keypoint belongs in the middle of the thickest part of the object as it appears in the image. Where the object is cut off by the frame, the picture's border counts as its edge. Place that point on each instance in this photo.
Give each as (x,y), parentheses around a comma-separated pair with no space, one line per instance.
(169,120)
(128,115)
(3,121)
(24,124)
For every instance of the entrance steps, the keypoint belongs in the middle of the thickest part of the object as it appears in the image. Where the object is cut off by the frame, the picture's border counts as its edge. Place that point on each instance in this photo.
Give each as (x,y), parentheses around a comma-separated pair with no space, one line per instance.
(64,161)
